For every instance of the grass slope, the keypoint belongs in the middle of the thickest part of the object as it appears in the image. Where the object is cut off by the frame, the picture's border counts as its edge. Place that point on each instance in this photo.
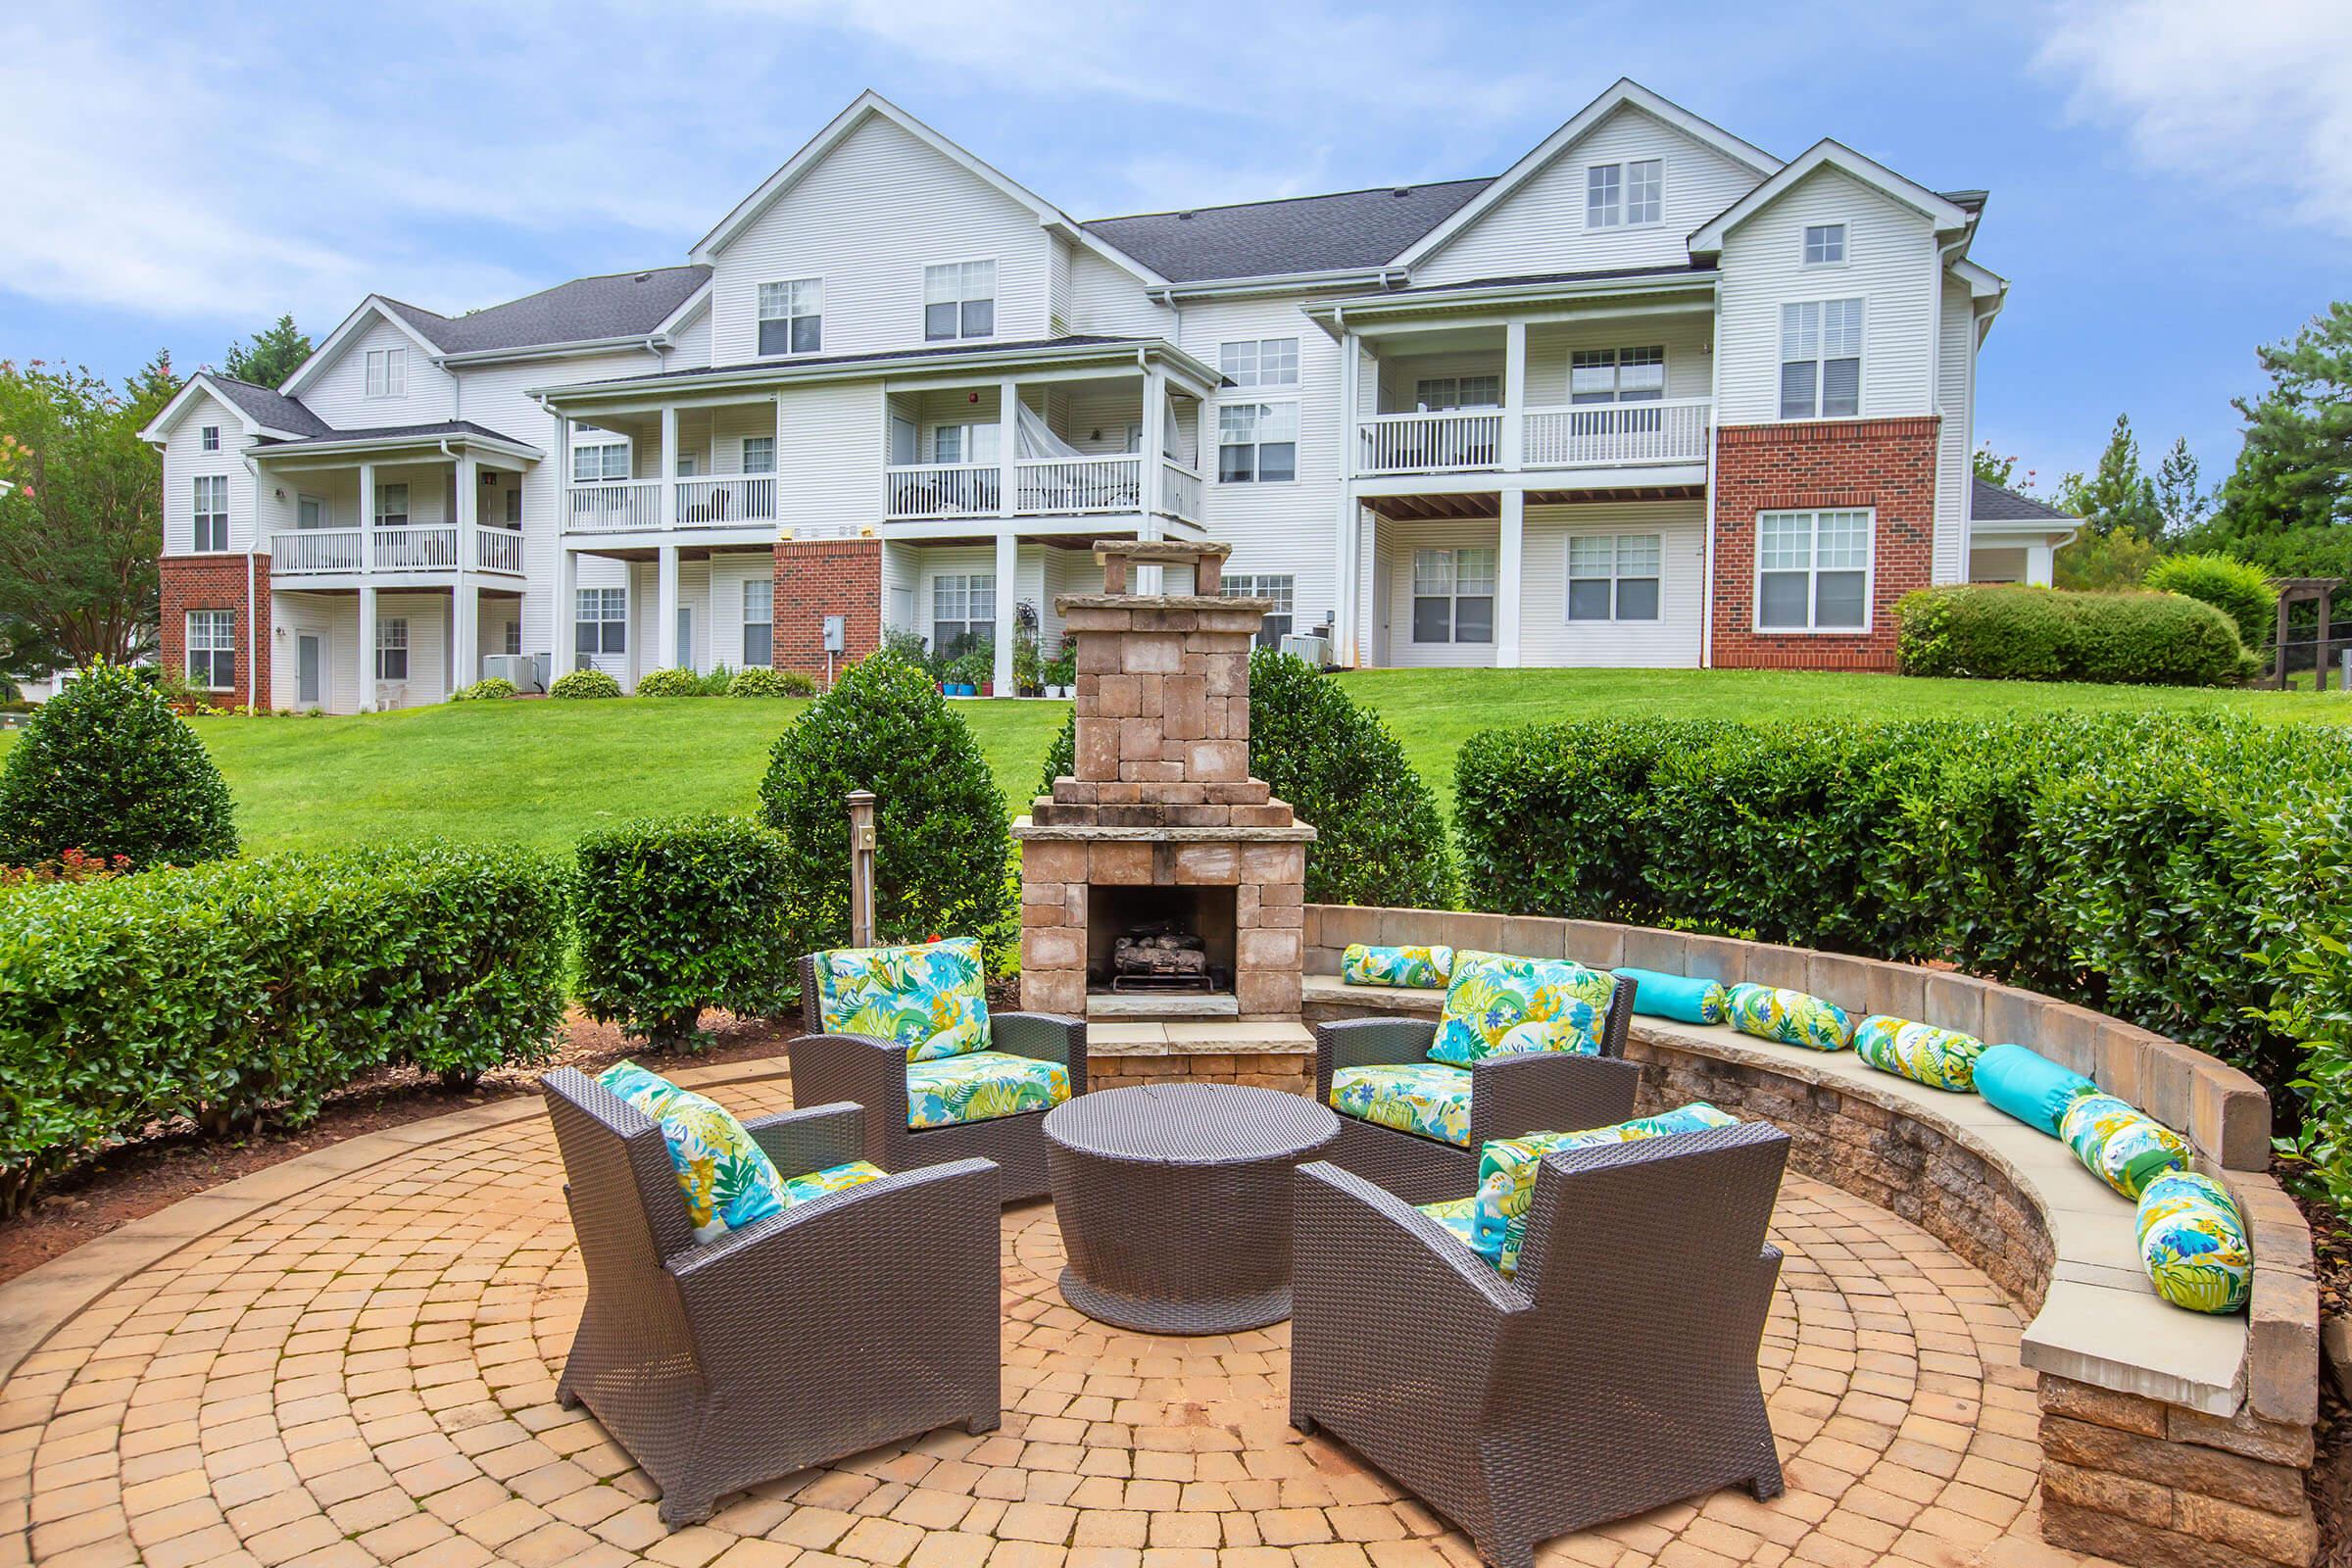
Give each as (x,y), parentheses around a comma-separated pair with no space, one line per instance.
(541,773)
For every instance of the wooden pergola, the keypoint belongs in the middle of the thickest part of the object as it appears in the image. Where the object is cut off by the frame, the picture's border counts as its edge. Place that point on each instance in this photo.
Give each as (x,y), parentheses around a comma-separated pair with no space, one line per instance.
(2294,591)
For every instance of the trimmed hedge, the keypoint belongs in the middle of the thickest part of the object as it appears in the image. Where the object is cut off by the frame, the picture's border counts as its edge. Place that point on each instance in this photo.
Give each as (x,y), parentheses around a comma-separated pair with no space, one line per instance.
(2008,633)
(757,680)
(2173,870)
(679,915)
(225,992)
(2238,590)
(580,684)
(488,689)
(106,767)
(673,682)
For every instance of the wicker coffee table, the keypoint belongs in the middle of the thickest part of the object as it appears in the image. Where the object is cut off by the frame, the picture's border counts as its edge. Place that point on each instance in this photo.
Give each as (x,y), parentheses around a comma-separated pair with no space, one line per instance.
(1174,1201)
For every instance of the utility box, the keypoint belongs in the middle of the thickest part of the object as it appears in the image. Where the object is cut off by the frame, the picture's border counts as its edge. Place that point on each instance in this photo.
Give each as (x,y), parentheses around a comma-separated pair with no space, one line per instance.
(837,634)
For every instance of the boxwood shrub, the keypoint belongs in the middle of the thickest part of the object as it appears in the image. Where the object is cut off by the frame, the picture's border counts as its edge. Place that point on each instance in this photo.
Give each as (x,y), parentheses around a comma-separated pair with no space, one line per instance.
(678,915)
(106,767)
(222,993)
(2011,633)
(584,684)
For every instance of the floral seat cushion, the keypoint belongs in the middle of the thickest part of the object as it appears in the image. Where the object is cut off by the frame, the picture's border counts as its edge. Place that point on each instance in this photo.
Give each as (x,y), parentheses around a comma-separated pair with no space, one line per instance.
(1425,967)
(1422,1098)
(1493,995)
(2192,1242)
(1507,1167)
(981,1086)
(832,1179)
(726,1178)
(932,999)
(1456,1214)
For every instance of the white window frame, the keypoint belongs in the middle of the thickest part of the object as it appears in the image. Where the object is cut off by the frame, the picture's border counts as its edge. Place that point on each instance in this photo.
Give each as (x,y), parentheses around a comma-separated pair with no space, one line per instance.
(207,517)
(759,612)
(513,512)
(961,298)
(1257,442)
(1813,571)
(1242,363)
(1609,194)
(1802,329)
(1828,234)
(602,450)
(745,456)
(218,645)
(514,637)
(1454,595)
(1437,394)
(1279,586)
(391,642)
(387,373)
(966,586)
(1616,576)
(600,615)
(1617,366)
(384,513)
(792,315)
(207,438)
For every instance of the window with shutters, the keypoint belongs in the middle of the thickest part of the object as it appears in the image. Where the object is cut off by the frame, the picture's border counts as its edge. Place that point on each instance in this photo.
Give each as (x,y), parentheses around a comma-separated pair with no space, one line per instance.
(1821,360)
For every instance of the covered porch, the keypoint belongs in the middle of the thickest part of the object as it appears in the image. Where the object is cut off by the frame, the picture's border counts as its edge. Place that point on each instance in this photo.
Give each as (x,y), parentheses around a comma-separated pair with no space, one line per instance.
(369,650)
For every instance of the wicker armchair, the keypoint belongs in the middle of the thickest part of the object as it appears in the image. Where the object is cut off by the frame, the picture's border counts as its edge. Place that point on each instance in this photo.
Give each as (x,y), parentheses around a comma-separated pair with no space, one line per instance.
(873,1073)
(850,1319)
(1540,1091)
(1615,1372)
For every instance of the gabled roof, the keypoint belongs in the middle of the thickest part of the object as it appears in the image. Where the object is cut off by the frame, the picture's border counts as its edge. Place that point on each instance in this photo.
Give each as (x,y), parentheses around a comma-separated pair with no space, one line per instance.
(1990,502)
(374,307)
(1352,229)
(586,310)
(1947,215)
(261,411)
(1621,93)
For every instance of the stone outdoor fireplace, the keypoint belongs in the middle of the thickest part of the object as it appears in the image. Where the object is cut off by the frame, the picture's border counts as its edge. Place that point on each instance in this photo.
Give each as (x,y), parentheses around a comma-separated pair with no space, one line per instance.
(1161,869)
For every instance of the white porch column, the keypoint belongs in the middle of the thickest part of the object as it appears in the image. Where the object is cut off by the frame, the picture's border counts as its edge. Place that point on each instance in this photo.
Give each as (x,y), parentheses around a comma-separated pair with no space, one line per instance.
(466,606)
(565,618)
(1008,566)
(2039,565)
(1347,616)
(366,516)
(666,608)
(1009,437)
(366,647)
(670,467)
(1510,574)
(1152,465)
(1514,392)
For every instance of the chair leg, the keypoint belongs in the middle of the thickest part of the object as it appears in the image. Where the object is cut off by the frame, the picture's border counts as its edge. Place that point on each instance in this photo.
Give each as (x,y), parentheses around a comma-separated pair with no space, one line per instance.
(680,1509)
(988,1421)
(1767,1485)
(1506,1553)
(1302,1421)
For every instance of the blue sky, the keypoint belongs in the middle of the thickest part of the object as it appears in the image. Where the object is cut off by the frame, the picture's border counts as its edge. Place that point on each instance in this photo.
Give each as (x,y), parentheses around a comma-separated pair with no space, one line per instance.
(2171,179)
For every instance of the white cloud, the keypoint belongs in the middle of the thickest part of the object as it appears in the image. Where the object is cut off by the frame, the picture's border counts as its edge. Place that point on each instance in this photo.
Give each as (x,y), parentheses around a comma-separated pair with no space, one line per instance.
(2248,97)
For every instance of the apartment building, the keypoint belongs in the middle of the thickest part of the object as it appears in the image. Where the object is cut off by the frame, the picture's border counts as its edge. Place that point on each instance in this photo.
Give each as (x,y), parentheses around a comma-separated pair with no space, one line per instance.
(1650,397)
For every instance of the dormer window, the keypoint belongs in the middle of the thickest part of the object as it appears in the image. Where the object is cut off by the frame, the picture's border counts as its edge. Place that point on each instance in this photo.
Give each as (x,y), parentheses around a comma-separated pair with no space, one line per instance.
(1625,195)
(1825,244)
(387,373)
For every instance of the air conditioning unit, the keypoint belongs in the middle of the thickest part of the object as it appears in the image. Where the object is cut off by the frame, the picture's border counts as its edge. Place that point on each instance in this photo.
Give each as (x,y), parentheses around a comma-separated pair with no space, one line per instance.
(520,668)
(1315,650)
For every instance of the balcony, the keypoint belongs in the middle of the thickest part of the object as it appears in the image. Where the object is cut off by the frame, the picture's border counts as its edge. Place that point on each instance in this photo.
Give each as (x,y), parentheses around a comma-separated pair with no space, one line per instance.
(363,552)
(1606,435)
(1042,487)
(634,505)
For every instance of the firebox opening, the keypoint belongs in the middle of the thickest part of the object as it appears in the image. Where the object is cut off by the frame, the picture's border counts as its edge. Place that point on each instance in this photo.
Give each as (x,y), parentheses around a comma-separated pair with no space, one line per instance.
(1163,926)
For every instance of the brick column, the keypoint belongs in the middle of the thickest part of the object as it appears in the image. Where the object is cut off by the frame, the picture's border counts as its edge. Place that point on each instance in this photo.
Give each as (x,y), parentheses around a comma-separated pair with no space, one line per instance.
(1886,465)
(218,582)
(820,578)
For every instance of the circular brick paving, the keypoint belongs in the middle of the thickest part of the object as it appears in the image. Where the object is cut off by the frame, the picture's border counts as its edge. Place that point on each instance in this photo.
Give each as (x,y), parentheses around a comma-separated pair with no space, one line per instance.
(364,1372)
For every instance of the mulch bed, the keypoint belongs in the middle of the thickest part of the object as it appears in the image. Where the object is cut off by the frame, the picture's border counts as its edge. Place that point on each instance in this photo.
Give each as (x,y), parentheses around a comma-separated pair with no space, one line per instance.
(2331,1471)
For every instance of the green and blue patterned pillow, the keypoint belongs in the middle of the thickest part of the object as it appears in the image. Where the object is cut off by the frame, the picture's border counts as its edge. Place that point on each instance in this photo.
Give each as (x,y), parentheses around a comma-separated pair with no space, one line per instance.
(1507,1167)
(1427,1098)
(1941,1059)
(1791,1017)
(726,1178)
(1493,994)
(2192,1242)
(981,1086)
(933,999)
(2121,1144)
(832,1179)
(1425,967)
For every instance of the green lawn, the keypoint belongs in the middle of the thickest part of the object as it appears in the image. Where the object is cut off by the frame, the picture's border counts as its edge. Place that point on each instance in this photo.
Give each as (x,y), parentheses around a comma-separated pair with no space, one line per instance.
(543,772)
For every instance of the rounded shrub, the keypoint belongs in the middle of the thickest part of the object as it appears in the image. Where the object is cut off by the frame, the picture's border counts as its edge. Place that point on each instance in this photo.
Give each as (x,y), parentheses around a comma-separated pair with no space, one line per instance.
(584,684)
(1995,632)
(2147,639)
(106,767)
(2236,589)
(942,852)
(669,683)
(484,690)
(757,680)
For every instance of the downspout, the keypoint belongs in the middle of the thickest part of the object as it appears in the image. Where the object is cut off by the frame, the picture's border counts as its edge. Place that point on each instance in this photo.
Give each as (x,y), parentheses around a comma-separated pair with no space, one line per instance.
(1706,614)
(253,669)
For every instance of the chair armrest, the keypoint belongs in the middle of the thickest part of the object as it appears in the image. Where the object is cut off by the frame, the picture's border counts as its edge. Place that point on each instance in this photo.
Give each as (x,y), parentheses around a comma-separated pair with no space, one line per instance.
(1347,1234)
(1367,1043)
(861,1068)
(817,1138)
(1042,1037)
(1548,1091)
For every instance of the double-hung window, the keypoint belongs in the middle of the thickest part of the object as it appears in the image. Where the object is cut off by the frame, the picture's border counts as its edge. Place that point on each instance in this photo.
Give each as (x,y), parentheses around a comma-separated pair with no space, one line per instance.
(1454,596)
(1257,443)
(602,626)
(1825,244)
(964,612)
(1438,392)
(758,622)
(1624,195)
(1617,375)
(1259,362)
(1281,587)
(211,512)
(1613,576)
(759,454)
(595,461)
(792,316)
(965,443)
(391,506)
(387,373)
(392,648)
(1821,360)
(212,649)
(209,438)
(1813,571)
(959,300)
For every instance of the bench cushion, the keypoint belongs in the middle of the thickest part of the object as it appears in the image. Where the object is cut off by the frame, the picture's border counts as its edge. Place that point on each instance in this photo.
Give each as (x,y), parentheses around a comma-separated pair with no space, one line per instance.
(1491,994)
(930,998)
(1422,1098)
(1791,1017)
(1424,968)
(1456,1214)
(724,1176)
(981,1086)
(1941,1059)
(2192,1242)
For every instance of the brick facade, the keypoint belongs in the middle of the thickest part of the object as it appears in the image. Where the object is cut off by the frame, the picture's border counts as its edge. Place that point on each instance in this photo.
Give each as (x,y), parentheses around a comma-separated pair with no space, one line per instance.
(1888,464)
(820,578)
(218,582)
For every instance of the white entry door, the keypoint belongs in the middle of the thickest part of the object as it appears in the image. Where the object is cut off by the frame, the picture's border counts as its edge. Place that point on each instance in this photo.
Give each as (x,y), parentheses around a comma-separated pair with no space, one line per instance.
(686,637)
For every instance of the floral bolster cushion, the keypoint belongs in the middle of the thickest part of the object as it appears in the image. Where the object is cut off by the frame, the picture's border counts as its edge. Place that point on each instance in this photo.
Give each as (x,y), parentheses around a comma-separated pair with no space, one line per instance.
(2192,1242)
(832,1179)
(1941,1059)
(727,1179)
(1426,967)
(981,1086)
(933,1000)
(1686,998)
(1424,1098)
(1493,994)
(1507,1167)
(2029,1086)
(2121,1146)
(1789,1016)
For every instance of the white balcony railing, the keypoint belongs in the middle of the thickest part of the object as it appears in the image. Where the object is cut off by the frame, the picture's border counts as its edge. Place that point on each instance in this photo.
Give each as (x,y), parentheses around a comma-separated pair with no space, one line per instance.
(944,489)
(428,547)
(1180,491)
(612,505)
(716,502)
(498,549)
(417,548)
(1612,434)
(1430,443)
(315,549)
(1060,485)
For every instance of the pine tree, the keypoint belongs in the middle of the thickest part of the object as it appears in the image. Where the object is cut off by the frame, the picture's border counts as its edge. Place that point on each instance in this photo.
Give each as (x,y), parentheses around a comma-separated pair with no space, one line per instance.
(2295,470)
(2118,494)
(271,357)
(2177,494)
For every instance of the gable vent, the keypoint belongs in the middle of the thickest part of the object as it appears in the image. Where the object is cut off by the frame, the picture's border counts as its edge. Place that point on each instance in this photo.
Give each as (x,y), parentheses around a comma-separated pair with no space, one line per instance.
(1401,191)
(648,278)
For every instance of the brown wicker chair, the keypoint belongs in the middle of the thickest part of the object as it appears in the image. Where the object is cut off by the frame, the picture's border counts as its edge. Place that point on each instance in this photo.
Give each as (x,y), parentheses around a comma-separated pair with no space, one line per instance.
(849,1320)
(1615,1372)
(873,1073)
(1540,1091)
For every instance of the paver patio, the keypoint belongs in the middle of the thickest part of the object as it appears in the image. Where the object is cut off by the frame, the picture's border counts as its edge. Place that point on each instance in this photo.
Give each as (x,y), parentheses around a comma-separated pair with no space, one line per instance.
(351,1359)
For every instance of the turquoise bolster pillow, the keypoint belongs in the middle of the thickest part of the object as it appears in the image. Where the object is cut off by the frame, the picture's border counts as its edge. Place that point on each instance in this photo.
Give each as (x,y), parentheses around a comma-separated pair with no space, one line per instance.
(1687,999)
(2029,1086)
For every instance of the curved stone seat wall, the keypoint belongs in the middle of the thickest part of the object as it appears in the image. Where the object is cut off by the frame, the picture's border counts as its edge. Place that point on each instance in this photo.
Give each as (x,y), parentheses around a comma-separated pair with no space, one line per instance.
(2168,1436)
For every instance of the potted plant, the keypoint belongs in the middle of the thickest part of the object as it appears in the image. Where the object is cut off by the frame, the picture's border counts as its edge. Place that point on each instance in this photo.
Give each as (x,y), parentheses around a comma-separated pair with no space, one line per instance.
(1061,670)
(967,672)
(1027,664)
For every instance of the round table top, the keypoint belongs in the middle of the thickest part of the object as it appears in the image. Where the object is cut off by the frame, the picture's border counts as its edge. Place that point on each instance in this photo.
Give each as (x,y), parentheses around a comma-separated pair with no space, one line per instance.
(1189,1124)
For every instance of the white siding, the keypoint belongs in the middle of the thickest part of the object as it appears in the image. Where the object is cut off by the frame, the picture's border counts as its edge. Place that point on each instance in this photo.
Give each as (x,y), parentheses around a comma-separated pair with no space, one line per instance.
(1955,396)
(1540,227)
(1689,341)
(1891,264)
(184,460)
(335,617)
(690,348)
(1546,636)
(1108,300)
(867,219)
(729,573)
(339,395)
(830,456)
(1400,540)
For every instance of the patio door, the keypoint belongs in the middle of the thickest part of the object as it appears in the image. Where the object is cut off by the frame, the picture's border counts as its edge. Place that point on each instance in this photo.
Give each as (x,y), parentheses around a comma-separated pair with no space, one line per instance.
(309,512)
(902,441)
(686,637)
(310,662)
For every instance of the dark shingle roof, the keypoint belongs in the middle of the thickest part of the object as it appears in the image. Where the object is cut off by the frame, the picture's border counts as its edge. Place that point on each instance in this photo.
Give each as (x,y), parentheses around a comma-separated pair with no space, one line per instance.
(942,351)
(273,410)
(1304,234)
(1538,279)
(1989,503)
(398,432)
(582,310)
